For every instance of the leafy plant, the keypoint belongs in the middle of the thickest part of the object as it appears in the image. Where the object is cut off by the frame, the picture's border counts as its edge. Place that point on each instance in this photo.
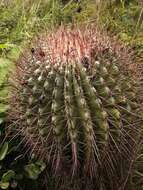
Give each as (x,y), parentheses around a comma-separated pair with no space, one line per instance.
(5,66)
(16,169)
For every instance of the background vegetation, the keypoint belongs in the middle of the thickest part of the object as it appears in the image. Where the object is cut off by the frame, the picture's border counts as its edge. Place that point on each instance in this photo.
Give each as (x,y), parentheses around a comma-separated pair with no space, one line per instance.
(19,22)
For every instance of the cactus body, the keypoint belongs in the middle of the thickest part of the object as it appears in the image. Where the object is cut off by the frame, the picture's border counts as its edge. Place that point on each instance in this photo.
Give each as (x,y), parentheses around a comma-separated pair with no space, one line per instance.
(77,109)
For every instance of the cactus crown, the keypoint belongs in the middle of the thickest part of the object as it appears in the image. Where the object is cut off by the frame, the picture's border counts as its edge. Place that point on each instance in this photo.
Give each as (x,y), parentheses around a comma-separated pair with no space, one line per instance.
(76,106)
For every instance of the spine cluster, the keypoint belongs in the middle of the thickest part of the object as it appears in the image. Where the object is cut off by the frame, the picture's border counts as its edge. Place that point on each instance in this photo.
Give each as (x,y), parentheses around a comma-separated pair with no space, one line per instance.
(77,108)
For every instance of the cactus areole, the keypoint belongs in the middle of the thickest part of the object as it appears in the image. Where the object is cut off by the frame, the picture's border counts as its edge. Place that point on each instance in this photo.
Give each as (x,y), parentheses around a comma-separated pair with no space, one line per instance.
(75,102)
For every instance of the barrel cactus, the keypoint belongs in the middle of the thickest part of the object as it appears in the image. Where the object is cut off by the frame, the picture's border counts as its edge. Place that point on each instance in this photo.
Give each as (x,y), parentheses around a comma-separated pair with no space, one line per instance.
(75,102)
